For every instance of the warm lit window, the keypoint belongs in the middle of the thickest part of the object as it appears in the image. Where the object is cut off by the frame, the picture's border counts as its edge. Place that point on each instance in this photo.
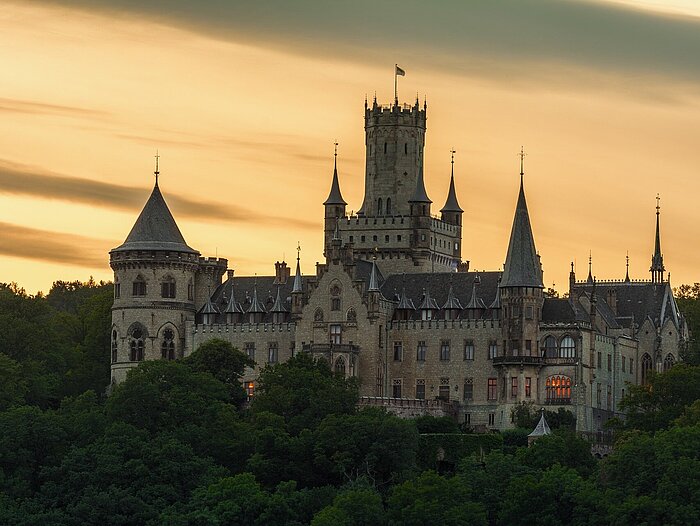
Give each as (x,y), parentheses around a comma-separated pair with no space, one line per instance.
(492,389)
(528,387)
(250,389)
(558,390)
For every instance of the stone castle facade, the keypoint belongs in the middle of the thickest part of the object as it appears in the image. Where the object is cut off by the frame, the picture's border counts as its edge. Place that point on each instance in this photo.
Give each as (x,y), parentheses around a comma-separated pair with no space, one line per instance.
(394,304)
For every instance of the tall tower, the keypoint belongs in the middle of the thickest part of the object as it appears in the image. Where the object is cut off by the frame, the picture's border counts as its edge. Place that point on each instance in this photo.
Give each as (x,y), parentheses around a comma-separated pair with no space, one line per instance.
(154,287)
(334,206)
(394,140)
(657,260)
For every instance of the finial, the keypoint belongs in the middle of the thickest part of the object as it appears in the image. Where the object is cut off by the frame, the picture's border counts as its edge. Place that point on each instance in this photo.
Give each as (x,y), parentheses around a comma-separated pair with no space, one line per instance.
(335,149)
(572,266)
(298,250)
(157,172)
(627,265)
(453,152)
(658,207)
(522,158)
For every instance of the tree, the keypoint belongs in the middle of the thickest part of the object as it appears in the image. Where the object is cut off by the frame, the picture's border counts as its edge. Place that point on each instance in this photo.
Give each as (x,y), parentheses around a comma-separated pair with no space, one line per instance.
(688,299)
(13,385)
(353,507)
(225,363)
(303,391)
(564,448)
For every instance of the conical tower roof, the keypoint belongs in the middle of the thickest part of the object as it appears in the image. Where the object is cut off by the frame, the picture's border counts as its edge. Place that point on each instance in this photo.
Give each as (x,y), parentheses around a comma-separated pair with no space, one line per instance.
(335,197)
(233,307)
(278,306)
(155,229)
(452,205)
(255,305)
(542,428)
(297,286)
(420,195)
(452,302)
(374,278)
(522,268)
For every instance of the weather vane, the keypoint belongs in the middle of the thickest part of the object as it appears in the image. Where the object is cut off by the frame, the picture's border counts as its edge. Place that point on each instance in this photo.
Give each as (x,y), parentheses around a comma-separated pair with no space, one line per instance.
(157,172)
(453,152)
(522,158)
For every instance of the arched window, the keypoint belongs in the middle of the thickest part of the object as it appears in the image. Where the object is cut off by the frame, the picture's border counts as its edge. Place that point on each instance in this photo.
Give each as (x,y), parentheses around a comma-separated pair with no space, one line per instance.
(351,316)
(137,338)
(388,206)
(167,287)
(669,361)
(558,389)
(114,346)
(549,347)
(567,349)
(340,365)
(646,368)
(335,296)
(379,206)
(167,348)
(139,286)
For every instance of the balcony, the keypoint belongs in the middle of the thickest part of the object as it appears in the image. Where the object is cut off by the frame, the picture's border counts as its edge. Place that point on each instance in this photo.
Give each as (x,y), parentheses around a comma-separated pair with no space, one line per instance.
(518,360)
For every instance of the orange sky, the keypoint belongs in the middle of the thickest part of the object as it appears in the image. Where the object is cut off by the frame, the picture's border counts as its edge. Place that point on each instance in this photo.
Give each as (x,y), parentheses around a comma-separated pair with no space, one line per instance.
(245,123)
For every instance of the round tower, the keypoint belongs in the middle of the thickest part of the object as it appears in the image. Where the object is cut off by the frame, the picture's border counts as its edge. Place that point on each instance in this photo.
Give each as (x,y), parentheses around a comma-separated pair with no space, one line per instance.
(154,289)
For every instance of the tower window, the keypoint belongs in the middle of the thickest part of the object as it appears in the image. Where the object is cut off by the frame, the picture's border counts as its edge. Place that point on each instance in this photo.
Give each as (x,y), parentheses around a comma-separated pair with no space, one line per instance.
(139,287)
(117,290)
(114,346)
(167,348)
(136,344)
(272,352)
(388,206)
(167,288)
(384,148)
(405,148)
(379,206)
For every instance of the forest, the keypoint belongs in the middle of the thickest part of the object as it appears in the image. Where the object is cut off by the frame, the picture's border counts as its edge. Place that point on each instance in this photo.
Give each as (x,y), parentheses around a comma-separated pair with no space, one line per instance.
(177,443)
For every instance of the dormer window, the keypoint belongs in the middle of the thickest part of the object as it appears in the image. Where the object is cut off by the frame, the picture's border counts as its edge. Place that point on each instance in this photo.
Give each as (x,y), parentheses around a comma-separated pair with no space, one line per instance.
(139,287)
(167,288)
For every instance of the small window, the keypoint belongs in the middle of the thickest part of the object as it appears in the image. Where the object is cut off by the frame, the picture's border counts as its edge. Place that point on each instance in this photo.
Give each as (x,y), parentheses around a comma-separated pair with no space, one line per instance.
(139,287)
(398,351)
(335,303)
(167,347)
(351,239)
(600,360)
(421,352)
(190,291)
(272,353)
(624,360)
(114,346)
(567,348)
(374,238)
(493,350)
(340,366)
(388,206)
(492,392)
(558,390)
(398,238)
(420,389)
(396,388)
(609,362)
(405,148)
(514,387)
(384,148)
(362,239)
(336,336)
(492,419)
(528,387)
(444,393)
(528,312)
(249,349)
(117,290)
(167,289)
(445,350)
(469,349)
(469,389)
(386,239)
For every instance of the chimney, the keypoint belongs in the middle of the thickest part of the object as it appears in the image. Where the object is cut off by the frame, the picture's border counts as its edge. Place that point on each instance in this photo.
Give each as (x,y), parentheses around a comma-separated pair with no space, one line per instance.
(463,266)
(282,273)
(229,274)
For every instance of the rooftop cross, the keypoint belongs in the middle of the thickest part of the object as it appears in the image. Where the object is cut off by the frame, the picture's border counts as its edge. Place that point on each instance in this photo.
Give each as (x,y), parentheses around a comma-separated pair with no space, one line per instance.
(298,250)
(157,172)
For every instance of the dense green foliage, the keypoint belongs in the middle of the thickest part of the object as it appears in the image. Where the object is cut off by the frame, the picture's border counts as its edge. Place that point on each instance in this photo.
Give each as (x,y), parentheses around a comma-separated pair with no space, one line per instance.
(174,444)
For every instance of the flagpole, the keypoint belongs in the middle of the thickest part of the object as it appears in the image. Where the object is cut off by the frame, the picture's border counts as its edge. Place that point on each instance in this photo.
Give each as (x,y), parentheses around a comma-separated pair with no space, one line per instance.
(396,92)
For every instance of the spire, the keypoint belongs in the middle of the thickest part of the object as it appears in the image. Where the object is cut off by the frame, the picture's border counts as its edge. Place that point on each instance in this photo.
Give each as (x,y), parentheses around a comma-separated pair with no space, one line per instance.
(452,302)
(405,303)
(155,228)
(373,277)
(335,197)
(627,264)
(496,303)
(522,268)
(428,303)
(590,267)
(542,427)
(255,305)
(474,302)
(297,275)
(233,306)
(278,306)
(657,260)
(420,195)
(451,205)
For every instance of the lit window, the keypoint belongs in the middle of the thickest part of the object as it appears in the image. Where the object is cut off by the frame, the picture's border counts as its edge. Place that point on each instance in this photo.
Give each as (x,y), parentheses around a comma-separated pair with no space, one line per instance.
(558,390)
(528,387)
(250,389)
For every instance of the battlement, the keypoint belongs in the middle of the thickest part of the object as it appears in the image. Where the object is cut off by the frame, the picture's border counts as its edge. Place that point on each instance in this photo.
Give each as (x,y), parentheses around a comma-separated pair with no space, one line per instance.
(223,328)
(601,283)
(421,325)
(393,114)
(213,262)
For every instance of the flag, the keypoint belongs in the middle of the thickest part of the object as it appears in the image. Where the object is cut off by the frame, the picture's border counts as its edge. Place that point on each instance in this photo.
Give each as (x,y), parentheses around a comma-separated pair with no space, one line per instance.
(400,72)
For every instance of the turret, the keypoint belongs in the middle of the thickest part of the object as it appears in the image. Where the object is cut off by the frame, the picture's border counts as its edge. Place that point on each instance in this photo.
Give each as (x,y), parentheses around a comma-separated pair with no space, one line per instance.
(334,205)
(373,292)
(452,212)
(297,290)
(657,268)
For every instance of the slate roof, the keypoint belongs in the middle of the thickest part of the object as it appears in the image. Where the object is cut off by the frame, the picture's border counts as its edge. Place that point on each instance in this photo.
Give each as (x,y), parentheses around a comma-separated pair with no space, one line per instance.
(155,229)
(522,268)
(420,195)
(335,197)
(452,205)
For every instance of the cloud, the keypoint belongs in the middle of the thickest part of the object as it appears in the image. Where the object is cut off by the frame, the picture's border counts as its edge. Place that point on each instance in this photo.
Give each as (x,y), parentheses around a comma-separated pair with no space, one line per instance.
(41,108)
(54,247)
(21,179)
(512,39)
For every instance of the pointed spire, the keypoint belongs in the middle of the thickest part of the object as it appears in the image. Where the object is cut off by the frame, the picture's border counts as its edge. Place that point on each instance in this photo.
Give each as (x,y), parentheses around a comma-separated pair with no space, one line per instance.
(420,195)
(297,275)
(542,427)
(335,197)
(255,305)
(233,307)
(373,277)
(496,303)
(428,303)
(155,228)
(156,171)
(474,302)
(657,260)
(627,264)
(452,302)
(278,306)
(452,205)
(590,267)
(522,267)
(405,303)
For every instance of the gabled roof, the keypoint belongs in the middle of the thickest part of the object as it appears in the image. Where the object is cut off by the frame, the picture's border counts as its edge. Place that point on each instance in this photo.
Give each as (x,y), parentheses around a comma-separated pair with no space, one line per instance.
(155,229)
(522,268)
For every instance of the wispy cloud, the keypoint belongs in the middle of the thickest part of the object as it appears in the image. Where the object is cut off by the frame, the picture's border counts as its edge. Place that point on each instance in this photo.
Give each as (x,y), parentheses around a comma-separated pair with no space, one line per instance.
(464,37)
(54,247)
(42,108)
(21,179)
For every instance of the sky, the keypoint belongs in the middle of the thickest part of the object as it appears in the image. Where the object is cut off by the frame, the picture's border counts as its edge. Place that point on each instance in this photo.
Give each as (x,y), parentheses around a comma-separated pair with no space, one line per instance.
(244,100)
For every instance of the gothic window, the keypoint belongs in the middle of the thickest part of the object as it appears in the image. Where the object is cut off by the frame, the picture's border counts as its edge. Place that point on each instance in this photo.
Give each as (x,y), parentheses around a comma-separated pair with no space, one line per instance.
(318,315)
(136,343)
(114,346)
(420,389)
(646,368)
(669,361)
(492,392)
(528,387)
(445,350)
(340,366)
(558,389)
(493,350)
(167,288)
(272,353)
(249,349)
(167,348)
(336,336)
(398,351)
(513,386)
(351,316)
(396,388)
(405,148)
(469,389)
(379,206)
(421,352)
(469,349)
(549,347)
(117,289)
(384,148)
(388,206)
(139,287)
(190,291)
(567,348)
(335,297)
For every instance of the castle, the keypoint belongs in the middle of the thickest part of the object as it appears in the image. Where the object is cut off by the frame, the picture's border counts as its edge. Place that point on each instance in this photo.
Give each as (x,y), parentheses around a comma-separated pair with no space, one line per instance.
(395,305)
